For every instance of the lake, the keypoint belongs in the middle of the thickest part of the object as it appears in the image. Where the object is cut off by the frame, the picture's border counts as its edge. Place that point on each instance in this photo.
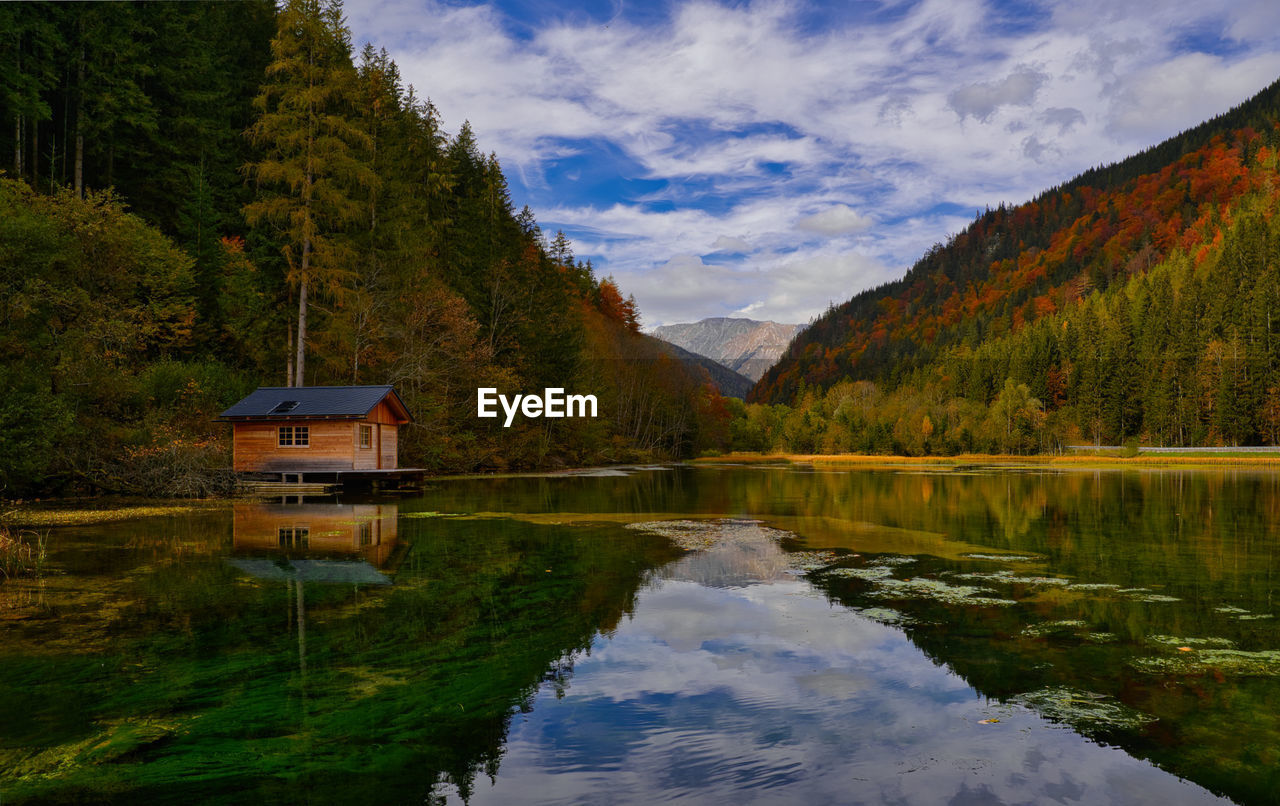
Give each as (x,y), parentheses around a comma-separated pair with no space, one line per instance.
(768,634)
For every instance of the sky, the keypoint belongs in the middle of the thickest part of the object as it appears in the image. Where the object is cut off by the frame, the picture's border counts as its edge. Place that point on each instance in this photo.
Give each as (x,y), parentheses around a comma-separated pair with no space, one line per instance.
(767,159)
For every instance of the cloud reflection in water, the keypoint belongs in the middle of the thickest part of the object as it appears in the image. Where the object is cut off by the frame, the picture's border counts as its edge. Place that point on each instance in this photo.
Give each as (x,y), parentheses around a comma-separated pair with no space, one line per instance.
(737,682)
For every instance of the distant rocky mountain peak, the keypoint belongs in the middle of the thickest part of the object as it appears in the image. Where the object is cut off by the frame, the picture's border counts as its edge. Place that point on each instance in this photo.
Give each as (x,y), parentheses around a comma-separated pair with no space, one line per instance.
(745,346)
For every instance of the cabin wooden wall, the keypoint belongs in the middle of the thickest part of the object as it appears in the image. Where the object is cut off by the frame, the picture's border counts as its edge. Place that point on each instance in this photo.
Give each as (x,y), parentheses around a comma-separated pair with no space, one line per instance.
(383,414)
(332,447)
(390,436)
(365,458)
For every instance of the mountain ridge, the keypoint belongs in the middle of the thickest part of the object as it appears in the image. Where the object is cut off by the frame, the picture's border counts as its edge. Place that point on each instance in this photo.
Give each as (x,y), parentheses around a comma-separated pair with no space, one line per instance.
(746,346)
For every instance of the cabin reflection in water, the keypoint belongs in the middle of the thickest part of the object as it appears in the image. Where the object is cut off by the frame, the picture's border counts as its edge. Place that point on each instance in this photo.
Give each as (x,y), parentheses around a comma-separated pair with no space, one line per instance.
(318,542)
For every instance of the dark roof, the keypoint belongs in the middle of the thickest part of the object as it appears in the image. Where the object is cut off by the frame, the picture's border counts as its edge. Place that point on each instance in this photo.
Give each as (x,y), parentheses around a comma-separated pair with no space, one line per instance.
(313,403)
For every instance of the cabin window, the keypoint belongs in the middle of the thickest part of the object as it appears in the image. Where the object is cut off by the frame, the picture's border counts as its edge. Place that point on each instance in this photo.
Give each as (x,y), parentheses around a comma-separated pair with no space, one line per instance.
(295,436)
(294,537)
(364,533)
(366,436)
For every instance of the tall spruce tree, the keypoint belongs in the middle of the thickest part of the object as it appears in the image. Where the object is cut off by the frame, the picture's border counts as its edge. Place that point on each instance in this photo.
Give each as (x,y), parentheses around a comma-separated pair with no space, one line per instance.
(313,163)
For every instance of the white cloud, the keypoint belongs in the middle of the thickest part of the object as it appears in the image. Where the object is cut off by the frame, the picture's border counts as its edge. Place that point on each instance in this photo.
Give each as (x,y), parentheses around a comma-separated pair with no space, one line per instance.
(1019,88)
(837,220)
(772,138)
(1178,93)
(727,244)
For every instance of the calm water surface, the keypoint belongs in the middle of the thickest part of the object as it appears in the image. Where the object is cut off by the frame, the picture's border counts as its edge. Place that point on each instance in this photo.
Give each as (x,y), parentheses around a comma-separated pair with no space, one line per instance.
(744,635)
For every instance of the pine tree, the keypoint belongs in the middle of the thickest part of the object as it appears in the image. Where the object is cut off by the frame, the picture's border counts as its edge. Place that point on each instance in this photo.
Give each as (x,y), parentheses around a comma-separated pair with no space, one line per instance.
(312,166)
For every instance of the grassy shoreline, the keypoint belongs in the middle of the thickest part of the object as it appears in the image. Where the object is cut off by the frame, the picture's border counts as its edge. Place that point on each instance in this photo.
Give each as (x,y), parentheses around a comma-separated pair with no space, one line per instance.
(1082,461)
(83,512)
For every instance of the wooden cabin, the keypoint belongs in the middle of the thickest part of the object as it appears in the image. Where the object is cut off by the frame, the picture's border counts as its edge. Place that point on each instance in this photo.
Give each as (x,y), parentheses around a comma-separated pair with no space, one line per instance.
(316,429)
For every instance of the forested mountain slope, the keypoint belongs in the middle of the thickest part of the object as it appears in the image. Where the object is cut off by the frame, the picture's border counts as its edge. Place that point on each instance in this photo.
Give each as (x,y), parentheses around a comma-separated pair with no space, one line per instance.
(208,197)
(1137,300)
(728,382)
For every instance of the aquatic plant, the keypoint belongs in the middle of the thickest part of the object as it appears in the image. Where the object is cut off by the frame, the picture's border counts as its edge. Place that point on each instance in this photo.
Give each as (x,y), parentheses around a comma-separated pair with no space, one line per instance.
(892,560)
(867,572)
(33,517)
(1010,578)
(1083,710)
(693,535)
(887,616)
(811,560)
(22,553)
(1175,641)
(1046,628)
(1011,558)
(938,591)
(1264,663)
(1156,597)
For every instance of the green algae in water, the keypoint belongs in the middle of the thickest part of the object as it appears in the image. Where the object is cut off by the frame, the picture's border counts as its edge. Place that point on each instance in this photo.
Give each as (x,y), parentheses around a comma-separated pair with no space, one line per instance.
(811,560)
(886,586)
(870,573)
(1230,610)
(1156,597)
(1093,586)
(1009,558)
(937,591)
(1175,641)
(892,560)
(1048,628)
(1083,710)
(692,535)
(887,616)
(1008,577)
(1234,662)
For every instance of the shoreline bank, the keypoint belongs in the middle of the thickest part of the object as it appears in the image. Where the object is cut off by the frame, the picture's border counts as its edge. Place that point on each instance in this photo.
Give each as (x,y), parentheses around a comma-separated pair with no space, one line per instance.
(1081,461)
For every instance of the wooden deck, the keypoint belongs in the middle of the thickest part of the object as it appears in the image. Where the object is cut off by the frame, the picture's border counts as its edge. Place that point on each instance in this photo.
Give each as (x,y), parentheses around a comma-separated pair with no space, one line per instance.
(327,482)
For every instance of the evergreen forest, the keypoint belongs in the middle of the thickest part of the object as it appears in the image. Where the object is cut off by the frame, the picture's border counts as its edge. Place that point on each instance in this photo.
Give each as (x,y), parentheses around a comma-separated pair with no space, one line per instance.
(200,198)
(1138,303)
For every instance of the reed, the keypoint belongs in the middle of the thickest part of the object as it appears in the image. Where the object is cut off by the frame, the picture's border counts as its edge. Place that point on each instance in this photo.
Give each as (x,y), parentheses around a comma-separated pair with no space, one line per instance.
(22,553)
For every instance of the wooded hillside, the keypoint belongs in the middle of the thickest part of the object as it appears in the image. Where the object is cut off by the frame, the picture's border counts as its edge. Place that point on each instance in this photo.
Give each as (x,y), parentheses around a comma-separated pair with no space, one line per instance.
(208,197)
(1136,302)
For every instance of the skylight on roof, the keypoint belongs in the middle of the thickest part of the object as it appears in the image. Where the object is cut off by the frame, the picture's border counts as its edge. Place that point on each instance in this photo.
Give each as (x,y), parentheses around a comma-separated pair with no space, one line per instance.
(285,407)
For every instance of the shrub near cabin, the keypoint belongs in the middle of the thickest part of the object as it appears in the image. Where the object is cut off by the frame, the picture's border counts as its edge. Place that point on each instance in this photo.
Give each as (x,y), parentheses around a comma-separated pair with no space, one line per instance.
(552,403)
